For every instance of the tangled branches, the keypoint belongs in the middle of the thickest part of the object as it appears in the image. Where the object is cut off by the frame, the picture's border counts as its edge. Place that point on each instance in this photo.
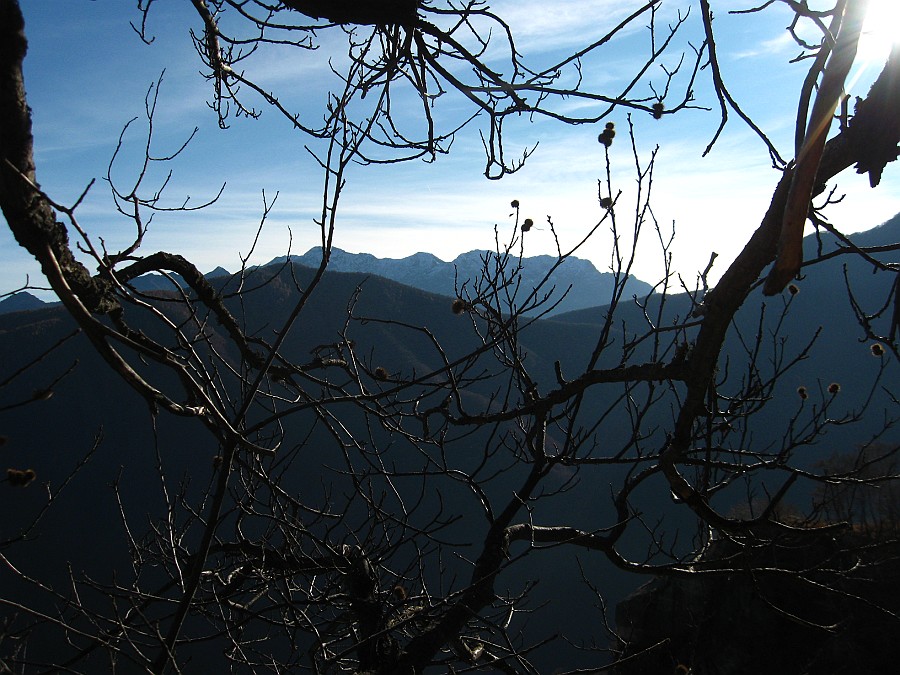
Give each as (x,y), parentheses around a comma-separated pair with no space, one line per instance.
(401,54)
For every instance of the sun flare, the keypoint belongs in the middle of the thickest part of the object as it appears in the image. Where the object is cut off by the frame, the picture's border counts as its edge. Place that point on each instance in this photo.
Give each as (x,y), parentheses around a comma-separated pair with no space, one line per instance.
(881,31)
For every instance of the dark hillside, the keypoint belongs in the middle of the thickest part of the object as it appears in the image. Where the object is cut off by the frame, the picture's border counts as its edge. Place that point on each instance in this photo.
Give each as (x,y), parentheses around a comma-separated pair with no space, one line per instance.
(143,464)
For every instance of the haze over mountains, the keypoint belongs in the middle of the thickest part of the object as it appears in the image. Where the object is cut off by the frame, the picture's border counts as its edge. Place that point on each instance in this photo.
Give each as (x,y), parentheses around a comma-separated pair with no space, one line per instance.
(587,287)
(583,285)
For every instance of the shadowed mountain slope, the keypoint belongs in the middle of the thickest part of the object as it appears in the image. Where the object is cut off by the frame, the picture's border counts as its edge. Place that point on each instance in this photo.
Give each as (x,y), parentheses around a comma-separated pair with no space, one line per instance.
(142,459)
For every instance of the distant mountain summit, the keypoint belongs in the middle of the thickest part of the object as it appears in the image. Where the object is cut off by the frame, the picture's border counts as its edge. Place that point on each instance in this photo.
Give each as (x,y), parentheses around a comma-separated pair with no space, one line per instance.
(24,301)
(20,302)
(589,287)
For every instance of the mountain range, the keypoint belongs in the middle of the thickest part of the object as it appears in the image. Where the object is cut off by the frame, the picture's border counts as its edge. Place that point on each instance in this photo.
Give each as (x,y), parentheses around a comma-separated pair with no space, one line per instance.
(577,279)
(583,285)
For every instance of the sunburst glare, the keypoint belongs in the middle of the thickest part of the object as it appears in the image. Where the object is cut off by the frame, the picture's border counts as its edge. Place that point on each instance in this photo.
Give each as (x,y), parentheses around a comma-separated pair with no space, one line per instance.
(881,31)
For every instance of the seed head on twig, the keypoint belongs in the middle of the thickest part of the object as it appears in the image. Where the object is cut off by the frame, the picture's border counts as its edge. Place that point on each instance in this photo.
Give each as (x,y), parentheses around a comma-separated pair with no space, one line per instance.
(607,135)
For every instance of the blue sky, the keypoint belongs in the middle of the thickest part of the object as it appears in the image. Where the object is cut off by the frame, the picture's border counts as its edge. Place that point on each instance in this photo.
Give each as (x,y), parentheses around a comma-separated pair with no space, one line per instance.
(87,74)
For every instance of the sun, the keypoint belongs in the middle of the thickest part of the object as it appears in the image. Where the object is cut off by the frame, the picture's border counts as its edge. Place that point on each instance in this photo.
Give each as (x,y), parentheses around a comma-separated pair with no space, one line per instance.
(881,32)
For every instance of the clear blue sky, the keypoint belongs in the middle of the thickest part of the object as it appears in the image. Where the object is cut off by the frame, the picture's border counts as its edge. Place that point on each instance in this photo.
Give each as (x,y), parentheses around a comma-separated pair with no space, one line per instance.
(87,74)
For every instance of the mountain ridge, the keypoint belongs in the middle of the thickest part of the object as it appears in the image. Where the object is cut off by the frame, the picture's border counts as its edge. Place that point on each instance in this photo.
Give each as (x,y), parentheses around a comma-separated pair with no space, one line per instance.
(585,287)
(578,279)
(583,284)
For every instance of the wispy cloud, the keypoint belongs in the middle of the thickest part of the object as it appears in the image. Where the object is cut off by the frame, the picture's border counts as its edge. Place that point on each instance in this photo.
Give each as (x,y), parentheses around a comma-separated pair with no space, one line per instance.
(781,45)
(543,26)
